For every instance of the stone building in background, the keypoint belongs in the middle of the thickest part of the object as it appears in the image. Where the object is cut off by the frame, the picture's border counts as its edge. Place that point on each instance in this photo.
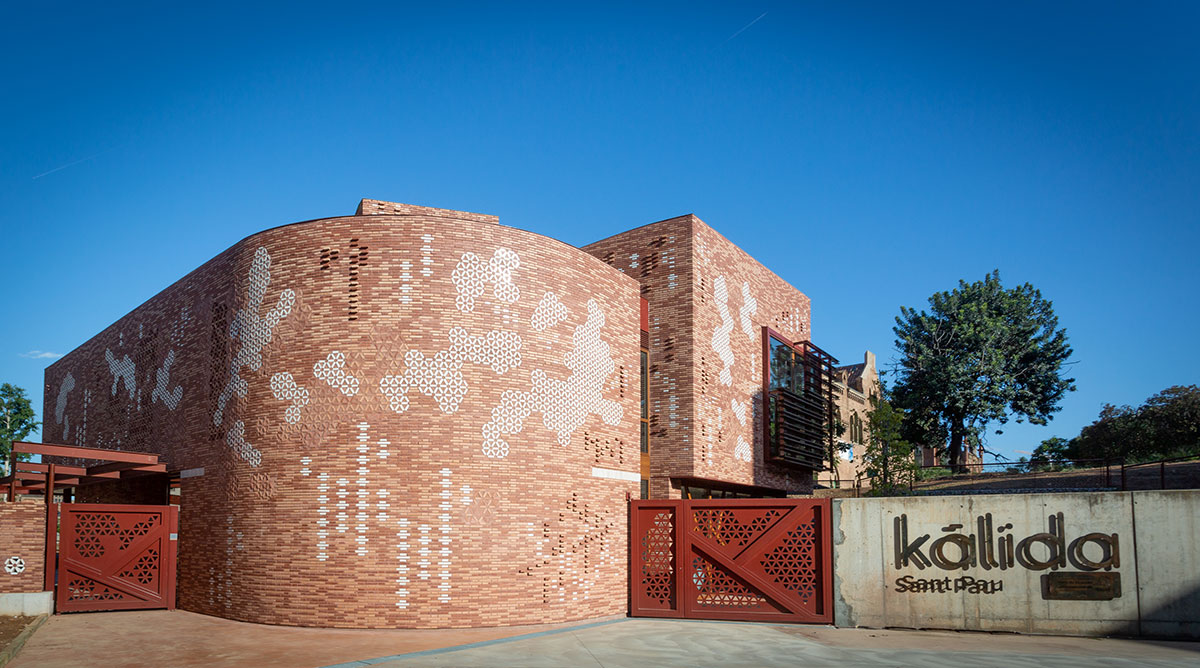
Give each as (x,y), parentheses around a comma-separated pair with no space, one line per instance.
(854,388)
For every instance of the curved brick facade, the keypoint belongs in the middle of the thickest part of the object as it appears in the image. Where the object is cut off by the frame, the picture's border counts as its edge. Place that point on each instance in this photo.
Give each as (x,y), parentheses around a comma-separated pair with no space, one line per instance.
(413,418)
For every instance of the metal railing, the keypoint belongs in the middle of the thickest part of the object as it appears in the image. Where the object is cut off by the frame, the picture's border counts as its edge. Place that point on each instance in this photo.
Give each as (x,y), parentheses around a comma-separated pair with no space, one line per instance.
(1080,474)
(1174,469)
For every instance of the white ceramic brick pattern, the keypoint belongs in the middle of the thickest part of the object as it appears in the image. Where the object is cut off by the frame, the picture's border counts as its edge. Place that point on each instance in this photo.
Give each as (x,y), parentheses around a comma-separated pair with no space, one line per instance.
(252,331)
(739,409)
(180,325)
(472,273)
(81,430)
(402,547)
(235,438)
(170,397)
(748,311)
(361,515)
(549,312)
(122,370)
(444,528)
(284,387)
(441,376)
(14,565)
(427,255)
(406,287)
(720,337)
(564,404)
(741,451)
(332,370)
(60,405)
(220,580)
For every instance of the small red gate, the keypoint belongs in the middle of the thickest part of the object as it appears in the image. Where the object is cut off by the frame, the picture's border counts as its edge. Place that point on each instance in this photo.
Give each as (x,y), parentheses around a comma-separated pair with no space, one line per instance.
(116,557)
(736,559)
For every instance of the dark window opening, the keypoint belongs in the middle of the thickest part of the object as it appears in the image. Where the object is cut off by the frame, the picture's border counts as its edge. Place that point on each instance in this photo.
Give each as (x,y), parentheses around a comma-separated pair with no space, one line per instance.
(798,402)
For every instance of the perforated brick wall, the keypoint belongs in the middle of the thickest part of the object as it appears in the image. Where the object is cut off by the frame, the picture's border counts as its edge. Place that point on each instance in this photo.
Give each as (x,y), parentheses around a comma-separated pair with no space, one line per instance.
(708,303)
(413,418)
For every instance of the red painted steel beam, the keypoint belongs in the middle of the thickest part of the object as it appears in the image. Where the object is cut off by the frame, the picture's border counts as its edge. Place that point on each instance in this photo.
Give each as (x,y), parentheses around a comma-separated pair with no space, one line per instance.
(59,483)
(74,452)
(114,469)
(137,473)
(68,470)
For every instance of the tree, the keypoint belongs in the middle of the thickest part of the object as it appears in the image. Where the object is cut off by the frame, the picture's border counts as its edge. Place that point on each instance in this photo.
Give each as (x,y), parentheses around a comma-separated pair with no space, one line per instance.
(16,421)
(888,457)
(1053,451)
(1116,433)
(1166,425)
(1172,418)
(980,355)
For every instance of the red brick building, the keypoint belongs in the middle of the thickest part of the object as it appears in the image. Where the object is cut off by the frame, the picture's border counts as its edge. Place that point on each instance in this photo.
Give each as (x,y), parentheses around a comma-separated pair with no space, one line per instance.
(712,310)
(415,417)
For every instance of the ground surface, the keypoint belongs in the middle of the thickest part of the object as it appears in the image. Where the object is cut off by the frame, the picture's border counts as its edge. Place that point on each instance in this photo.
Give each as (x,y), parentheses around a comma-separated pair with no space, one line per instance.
(663,643)
(11,627)
(157,638)
(183,640)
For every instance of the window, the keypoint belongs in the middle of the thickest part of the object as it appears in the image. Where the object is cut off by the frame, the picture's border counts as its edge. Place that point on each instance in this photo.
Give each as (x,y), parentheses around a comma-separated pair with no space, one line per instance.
(856,429)
(797,402)
(645,488)
(787,367)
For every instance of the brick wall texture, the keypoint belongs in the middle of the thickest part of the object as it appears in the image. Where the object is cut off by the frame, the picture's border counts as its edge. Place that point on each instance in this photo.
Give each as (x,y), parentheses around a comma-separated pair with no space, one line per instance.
(407,418)
(23,538)
(708,302)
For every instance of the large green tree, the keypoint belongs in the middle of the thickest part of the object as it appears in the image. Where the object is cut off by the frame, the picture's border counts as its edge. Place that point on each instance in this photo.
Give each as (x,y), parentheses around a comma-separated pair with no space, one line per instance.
(16,421)
(1166,425)
(980,355)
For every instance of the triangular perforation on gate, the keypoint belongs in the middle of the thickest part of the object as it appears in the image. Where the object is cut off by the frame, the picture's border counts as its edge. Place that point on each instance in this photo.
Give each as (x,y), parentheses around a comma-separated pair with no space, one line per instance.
(116,557)
(733,528)
(763,560)
(793,564)
(716,589)
(658,558)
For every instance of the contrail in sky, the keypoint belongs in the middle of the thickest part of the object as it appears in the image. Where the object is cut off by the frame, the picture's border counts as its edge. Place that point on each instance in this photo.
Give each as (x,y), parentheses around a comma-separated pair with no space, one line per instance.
(72,164)
(746,26)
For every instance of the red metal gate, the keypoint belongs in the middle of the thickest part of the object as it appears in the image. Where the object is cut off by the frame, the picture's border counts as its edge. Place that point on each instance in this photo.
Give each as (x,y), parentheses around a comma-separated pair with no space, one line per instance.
(116,557)
(737,559)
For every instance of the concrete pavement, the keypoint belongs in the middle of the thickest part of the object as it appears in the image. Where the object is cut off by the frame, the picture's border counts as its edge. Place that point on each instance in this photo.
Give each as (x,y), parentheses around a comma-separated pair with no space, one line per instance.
(180,639)
(184,640)
(691,644)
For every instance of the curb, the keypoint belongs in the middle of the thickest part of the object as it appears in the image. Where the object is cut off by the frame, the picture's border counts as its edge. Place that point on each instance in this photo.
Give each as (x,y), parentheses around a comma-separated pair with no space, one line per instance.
(13,648)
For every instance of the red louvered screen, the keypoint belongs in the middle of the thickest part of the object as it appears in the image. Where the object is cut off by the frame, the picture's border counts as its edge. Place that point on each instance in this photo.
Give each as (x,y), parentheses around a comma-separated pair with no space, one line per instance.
(116,557)
(734,559)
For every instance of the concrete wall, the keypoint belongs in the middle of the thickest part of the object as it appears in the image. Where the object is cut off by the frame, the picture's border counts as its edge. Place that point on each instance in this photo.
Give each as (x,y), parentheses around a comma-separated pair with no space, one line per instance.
(1017,563)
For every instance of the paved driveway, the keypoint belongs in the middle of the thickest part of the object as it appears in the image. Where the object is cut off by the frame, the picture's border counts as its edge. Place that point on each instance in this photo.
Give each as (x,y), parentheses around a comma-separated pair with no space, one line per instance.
(687,644)
(157,638)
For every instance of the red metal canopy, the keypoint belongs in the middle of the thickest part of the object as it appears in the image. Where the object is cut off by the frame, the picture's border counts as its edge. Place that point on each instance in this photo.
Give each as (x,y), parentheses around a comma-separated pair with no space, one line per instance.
(31,477)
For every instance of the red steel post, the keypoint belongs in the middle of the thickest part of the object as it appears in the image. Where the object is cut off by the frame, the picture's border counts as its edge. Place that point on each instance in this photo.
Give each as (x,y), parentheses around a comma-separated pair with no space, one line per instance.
(51,560)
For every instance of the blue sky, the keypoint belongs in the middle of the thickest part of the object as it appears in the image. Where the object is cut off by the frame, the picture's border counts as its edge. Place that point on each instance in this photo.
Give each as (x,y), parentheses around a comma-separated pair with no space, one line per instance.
(871,154)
